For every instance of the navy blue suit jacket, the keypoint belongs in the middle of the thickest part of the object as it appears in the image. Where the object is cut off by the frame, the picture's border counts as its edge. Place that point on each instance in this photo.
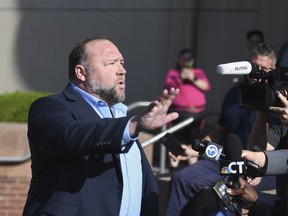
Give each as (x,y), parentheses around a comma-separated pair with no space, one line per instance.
(75,160)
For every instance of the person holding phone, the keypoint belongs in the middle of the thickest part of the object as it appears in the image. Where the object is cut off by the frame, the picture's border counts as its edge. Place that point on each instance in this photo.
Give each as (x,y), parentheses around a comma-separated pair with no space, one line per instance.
(191,100)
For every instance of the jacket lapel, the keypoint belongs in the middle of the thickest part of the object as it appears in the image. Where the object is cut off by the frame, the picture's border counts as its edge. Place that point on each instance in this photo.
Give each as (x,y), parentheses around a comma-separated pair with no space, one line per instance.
(78,102)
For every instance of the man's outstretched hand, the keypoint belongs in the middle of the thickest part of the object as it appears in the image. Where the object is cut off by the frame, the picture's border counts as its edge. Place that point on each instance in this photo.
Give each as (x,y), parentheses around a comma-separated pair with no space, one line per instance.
(156,115)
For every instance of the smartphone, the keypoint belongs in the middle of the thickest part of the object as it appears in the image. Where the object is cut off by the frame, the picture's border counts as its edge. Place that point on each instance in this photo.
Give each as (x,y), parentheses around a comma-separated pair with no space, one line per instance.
(220,189)
(172,144)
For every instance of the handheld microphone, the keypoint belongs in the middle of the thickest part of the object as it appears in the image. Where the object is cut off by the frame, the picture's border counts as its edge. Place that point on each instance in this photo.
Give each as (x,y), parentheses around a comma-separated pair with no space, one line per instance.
(208,149)
(233,151)
(230,160)
(234,68)
(253,170)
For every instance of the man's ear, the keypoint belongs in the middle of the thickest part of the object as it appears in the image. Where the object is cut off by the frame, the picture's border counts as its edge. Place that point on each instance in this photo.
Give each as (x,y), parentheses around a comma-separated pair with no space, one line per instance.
(80,72)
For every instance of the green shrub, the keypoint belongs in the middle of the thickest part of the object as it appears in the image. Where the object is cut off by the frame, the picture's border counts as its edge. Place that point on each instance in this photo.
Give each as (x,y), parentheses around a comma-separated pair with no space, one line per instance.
(14,106)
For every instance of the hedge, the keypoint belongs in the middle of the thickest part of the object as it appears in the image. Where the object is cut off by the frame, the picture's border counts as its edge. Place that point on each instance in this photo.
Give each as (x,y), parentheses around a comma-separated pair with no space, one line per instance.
(14,106)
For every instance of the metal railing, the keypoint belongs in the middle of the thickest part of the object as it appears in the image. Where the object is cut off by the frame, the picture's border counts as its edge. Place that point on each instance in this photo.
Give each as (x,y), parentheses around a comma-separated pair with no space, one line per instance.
(156,138)
(170,130)
(138,104)
(163,153)
(14,159)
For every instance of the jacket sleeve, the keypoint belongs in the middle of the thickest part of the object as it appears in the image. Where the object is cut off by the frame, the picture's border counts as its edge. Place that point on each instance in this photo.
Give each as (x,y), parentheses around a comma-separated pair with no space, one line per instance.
(56,127)
(277,162)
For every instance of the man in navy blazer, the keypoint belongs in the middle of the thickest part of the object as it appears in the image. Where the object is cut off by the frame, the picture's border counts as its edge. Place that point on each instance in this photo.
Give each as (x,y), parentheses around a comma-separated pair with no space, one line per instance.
(86,158)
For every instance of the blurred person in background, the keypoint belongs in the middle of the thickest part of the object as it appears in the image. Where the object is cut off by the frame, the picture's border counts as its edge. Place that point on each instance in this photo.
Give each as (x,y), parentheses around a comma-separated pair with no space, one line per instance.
(254,37)
(191,100)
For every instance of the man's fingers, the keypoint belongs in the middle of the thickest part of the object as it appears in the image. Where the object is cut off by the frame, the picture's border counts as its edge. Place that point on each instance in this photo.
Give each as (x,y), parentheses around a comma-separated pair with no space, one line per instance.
(167,96)
(172,116)
(174,91)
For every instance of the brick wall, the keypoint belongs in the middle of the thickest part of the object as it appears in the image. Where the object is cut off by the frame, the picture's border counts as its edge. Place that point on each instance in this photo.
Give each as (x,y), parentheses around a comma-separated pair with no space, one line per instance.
(13,193)
(15,177)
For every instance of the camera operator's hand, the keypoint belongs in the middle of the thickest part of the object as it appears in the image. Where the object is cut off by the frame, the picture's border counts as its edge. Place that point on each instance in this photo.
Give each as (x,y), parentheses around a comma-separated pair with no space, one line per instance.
(281,112)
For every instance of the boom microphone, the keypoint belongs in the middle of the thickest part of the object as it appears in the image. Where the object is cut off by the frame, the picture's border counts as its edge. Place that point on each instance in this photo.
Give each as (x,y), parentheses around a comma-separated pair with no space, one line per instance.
(234,68)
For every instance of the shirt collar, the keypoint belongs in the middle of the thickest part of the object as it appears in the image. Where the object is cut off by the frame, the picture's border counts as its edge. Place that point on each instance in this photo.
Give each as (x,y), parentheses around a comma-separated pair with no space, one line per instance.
(119,109)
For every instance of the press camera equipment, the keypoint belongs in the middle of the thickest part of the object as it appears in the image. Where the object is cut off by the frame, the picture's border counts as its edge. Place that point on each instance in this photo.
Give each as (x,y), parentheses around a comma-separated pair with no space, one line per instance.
(261,94)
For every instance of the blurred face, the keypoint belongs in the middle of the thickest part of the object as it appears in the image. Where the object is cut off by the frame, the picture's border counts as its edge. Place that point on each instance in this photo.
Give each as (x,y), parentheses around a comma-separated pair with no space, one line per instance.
(264,62)
(186,60)
(253,41)
(105,74)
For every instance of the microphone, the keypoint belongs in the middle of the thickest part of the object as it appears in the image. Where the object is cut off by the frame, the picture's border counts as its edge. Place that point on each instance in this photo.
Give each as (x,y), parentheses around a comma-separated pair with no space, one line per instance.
(229,156)
(233,147)
(208,149)
(234,68)
(233,151)
(253,170)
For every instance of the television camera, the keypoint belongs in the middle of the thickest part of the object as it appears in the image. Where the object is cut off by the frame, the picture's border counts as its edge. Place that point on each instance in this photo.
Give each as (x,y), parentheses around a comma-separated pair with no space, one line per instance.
(260,94)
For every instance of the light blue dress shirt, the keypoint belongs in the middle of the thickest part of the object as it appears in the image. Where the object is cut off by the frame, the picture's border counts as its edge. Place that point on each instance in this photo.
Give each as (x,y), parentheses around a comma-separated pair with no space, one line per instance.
(130,161)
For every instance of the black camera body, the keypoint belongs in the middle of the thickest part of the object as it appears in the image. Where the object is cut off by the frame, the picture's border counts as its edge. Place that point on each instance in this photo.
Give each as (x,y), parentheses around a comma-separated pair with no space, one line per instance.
(261,94)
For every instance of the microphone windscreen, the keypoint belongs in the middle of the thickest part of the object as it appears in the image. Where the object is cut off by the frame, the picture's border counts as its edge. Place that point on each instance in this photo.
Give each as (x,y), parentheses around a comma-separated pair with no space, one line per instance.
(196,145)
(233,147)
(240,68)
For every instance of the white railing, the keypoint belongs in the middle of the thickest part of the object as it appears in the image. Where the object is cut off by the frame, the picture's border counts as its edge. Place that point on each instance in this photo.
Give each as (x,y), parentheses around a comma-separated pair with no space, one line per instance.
(156,138)
(14,159)
(163,153)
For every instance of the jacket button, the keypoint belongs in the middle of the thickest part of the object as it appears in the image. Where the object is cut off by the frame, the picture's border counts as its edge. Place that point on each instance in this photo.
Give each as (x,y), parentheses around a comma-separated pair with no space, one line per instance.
(119,189)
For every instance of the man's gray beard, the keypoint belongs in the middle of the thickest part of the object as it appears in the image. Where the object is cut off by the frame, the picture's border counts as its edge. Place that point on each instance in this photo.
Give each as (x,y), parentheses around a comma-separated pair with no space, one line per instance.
(108,95)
